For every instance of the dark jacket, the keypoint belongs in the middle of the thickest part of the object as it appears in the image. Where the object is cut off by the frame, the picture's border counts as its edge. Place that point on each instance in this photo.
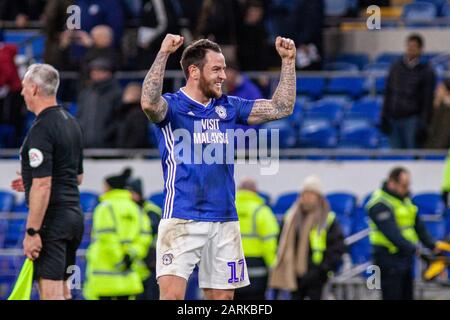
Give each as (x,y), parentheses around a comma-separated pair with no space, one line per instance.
(133,128)
(332,257)
(98,106)
(388,226)
(409,91)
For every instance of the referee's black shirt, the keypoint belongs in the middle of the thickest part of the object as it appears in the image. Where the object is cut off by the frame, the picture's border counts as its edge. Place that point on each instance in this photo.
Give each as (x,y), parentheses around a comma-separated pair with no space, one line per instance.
(54,147)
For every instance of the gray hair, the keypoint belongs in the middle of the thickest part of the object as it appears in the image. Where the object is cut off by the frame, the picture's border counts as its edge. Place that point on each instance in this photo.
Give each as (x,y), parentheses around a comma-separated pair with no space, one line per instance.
(45,76)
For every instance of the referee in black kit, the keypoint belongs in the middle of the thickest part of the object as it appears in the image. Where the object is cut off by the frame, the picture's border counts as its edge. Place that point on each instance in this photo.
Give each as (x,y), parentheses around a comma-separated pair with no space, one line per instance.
(52,169)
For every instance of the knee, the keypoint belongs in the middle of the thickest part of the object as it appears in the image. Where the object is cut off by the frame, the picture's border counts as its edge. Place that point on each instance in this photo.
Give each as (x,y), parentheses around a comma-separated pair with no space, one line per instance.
(171,295)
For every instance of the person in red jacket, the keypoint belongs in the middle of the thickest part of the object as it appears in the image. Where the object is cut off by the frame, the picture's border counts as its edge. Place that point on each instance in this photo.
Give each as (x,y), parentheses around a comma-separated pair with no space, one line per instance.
(11,112)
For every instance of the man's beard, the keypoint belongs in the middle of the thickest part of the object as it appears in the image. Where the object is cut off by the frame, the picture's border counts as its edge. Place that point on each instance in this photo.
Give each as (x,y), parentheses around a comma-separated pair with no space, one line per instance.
(206,90)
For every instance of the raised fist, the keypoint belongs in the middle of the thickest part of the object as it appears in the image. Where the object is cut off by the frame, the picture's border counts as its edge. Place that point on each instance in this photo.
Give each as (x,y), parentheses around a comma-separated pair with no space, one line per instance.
(171,43)
(285,48)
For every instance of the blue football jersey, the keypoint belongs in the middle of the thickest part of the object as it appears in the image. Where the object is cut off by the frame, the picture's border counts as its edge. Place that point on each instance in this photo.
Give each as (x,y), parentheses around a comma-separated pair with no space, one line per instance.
(197,188)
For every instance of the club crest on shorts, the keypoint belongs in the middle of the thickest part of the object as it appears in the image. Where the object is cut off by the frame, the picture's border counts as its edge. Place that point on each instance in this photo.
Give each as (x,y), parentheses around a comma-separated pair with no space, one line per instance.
(167,259)
(221,111)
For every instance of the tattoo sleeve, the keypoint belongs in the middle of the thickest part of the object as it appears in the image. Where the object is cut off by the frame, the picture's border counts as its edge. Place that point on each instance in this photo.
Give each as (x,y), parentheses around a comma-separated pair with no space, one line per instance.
(153,104)
(282,103)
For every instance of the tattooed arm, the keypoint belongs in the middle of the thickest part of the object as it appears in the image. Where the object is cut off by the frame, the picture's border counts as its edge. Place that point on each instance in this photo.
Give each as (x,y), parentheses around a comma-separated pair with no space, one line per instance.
(282,103)
(152,103)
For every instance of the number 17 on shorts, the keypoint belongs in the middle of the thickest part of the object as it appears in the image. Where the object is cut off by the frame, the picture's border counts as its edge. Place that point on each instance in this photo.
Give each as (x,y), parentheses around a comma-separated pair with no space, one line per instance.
(237,271)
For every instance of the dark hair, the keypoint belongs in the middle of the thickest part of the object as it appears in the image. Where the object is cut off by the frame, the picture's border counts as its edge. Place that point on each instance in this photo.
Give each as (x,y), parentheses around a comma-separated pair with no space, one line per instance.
(417,38)
(195,54)
(395,173)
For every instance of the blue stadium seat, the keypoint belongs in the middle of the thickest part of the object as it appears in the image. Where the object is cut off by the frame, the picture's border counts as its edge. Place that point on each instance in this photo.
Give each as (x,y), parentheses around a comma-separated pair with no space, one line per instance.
(311,86)
(388,57)
(429,203)
(88,200)
(284,202)
(265,196)
(353,86)
(365,109)
(358,59)
(342,203)
(342,99)
(6,285)
(377,66)
(345,224)
(325,110)
(340,66)
(286,131)
(6,201)
(7,136)
(380,84)
(437,229)
(363,136)
(317,135)
(20,207)
(419,13)
(445,12)
(158,199)
(15,233)
(439,4)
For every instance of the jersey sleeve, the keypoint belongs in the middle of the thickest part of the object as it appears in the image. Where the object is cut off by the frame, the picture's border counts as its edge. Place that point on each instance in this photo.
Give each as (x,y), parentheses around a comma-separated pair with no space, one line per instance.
(170,99)
(243,108)
(40,152)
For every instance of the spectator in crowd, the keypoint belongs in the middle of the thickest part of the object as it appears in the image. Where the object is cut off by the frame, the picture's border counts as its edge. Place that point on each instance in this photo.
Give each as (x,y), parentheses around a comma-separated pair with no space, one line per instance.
(395,232)
(152,212)
(311,244)
(98,106)
(217,22)
(252,38)
(439,131)
(132,8)
(159,17)
(121,237)
(259,231)
(133,127)
(408,102)
(12,110)
(238,84)
(305,24)
(99,12)
(54,20)
(21,11)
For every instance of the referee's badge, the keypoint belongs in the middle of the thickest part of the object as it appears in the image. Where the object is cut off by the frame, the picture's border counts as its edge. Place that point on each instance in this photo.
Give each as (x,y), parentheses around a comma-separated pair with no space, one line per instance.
(36,157)
(221,111)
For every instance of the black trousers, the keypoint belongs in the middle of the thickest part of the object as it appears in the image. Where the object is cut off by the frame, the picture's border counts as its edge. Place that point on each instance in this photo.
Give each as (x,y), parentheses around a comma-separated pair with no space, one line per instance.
(310,292)
(258,284)
(396,283)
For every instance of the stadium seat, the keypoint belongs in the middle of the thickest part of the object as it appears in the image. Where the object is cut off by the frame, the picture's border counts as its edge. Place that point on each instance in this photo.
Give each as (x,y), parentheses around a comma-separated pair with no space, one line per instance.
(340,66)
(88,200)
(345,224)
(6,201)
(342,203)
(158,199)
(388,57)
(325,110)
(20,207)
(377,66)
(358,59)
(419,13)
(367,110)
(265,196)
(311,86)
(286,132)
(6,285)
(284,202)
(15,233)
(360,136)
(317,135)
(353,86)
(380,84)
(445,12)
(19,38)
(429,203)
(437,229)
(439,4)
(7,136)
